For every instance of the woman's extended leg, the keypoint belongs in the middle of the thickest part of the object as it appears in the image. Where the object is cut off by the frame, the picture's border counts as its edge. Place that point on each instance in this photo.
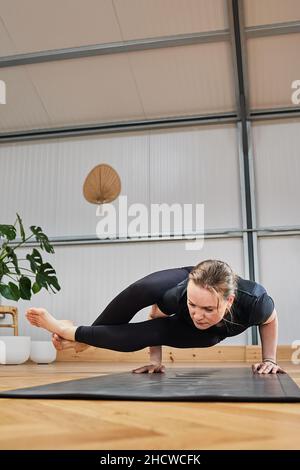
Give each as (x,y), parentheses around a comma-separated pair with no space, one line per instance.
(142,293)
(169,331)
(147,291)
(43,319)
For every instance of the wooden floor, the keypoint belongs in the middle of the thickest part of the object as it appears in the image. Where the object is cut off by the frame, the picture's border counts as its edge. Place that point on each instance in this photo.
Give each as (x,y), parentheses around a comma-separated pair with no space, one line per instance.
(88,424)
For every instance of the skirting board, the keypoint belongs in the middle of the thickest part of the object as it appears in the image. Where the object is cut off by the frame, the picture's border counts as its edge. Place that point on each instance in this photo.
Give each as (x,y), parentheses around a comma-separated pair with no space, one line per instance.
(249,354)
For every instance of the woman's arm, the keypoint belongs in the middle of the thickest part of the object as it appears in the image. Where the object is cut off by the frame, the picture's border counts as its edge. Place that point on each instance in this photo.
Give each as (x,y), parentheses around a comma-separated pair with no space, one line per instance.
(155,351)
(268,332)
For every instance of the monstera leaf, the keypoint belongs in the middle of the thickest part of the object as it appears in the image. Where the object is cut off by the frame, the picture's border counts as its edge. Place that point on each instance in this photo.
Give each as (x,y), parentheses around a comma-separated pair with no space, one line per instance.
(42,273)
(8,231)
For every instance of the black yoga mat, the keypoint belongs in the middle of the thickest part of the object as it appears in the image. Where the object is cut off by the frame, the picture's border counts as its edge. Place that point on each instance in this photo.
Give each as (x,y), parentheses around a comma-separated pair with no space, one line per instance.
(178,384)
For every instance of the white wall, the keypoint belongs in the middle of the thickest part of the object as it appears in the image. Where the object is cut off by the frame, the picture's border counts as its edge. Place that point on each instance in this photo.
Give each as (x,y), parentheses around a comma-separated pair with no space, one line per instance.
(277,171)
(279,264)
(43,180)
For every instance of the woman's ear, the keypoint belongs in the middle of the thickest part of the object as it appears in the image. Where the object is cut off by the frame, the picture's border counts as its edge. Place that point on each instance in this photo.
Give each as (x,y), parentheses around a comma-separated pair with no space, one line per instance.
(230,300)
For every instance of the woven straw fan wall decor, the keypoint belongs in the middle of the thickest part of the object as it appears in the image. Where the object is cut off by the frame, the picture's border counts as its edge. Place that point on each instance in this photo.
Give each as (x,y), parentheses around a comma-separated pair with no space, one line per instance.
(102,185)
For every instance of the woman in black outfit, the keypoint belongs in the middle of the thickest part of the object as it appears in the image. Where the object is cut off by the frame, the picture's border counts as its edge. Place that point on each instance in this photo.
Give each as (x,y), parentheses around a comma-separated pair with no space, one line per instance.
(193,307)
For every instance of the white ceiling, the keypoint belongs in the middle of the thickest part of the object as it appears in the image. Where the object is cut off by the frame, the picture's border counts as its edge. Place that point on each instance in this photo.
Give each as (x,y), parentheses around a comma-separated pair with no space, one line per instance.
(273,64)
(35,25)
(258,12)
(165,82)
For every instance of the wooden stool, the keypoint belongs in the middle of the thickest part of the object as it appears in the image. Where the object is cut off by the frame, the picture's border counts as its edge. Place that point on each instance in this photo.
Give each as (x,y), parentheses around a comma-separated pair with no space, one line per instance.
(10,311)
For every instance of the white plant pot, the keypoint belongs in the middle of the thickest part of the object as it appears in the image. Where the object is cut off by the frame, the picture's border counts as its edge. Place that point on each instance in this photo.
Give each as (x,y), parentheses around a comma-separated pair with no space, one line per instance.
(42,352)
(14,349)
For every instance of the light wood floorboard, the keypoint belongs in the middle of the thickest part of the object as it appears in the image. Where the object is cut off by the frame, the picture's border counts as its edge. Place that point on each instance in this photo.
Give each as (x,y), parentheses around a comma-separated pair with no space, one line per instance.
(89,424)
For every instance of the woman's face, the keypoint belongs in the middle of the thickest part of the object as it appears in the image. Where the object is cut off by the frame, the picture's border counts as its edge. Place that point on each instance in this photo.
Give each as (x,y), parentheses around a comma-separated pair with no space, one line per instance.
(202,305)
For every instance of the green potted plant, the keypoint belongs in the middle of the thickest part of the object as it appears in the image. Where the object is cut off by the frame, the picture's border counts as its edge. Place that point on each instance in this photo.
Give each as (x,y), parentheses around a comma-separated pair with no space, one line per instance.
(19,282)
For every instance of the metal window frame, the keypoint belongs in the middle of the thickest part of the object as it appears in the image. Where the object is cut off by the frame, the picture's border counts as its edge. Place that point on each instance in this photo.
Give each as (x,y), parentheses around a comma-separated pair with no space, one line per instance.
(268,232)
(237,32)
(148,124)
(120,126)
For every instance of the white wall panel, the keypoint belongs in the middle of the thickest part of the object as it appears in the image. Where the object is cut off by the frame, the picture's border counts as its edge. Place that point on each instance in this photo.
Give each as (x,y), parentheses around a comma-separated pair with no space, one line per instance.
(28,175)
(277,170)
(128,154)
(43,180)
(198,166)
(279,267)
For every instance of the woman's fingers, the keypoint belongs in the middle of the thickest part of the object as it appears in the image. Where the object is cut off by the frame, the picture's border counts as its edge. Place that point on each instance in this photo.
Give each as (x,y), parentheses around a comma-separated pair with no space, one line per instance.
(255,367)
(157,369)
(267,368)
(280,370)
(140,370)
(150,369)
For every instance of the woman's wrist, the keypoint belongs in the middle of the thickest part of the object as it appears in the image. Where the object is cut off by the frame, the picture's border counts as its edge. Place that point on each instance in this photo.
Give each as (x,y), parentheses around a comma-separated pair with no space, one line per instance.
(268,359)
(155,354)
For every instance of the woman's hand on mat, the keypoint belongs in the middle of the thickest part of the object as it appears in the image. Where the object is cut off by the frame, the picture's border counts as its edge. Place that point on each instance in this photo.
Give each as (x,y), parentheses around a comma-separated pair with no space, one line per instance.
(267,367)
(150,369)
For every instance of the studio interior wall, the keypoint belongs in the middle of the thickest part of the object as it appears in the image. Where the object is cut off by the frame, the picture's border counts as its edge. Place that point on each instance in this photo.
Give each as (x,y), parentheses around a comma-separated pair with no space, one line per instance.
(43,181)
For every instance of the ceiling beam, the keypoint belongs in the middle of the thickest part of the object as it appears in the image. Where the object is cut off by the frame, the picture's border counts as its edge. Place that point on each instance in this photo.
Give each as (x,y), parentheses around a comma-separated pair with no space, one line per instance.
(145,44)
(114,48)
(275,29)
(125,126)
(275,113)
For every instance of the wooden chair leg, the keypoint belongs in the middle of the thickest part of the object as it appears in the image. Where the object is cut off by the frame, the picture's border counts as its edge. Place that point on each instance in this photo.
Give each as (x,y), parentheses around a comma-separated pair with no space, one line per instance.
(13,311)
(16,322)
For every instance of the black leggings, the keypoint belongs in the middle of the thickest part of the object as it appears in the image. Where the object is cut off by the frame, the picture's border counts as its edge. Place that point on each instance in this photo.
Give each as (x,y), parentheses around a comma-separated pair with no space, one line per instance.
(111,329)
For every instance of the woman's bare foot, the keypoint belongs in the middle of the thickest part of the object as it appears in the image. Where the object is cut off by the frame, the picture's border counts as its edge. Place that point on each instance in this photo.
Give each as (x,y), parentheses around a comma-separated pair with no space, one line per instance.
(38,316)
(62,344)
(41,318)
